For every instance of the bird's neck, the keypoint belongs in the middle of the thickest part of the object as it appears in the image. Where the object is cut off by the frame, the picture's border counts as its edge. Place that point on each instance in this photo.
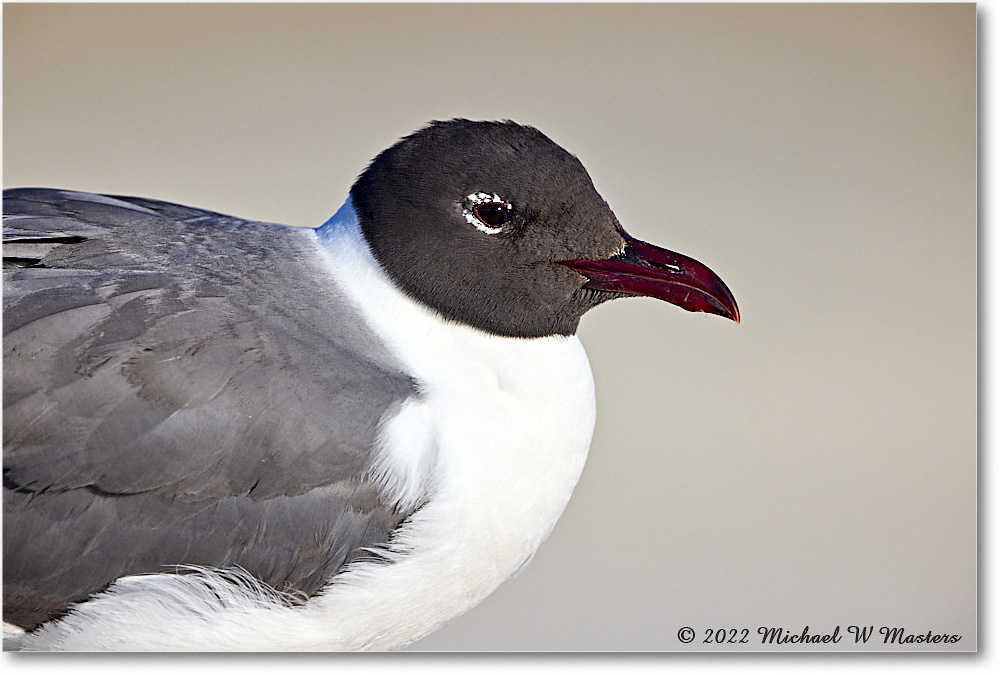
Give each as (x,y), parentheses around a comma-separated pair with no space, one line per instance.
(506,423)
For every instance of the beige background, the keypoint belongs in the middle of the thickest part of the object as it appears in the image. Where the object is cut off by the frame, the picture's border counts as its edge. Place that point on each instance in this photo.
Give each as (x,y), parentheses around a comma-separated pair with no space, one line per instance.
(815,465)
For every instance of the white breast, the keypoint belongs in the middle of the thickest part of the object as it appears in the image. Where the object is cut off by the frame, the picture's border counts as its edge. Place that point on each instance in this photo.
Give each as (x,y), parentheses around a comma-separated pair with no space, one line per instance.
(504,427)
(492,448)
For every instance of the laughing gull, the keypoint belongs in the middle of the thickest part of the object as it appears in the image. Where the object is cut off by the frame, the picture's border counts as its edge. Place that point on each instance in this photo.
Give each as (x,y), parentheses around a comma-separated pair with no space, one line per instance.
(225,434)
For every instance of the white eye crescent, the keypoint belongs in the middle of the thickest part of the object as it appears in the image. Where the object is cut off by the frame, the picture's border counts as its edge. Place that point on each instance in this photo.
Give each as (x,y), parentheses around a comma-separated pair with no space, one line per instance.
(486,212)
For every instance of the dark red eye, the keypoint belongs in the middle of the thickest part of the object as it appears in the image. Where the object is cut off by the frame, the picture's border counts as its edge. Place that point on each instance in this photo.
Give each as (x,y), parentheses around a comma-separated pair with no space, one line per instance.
(492,214)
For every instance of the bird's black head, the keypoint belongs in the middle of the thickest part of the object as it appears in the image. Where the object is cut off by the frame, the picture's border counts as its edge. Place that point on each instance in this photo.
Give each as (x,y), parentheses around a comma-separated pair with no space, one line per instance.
(495,226)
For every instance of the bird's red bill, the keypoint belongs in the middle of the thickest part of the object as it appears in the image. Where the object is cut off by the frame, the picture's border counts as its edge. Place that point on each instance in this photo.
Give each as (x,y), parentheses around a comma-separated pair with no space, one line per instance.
(644,269)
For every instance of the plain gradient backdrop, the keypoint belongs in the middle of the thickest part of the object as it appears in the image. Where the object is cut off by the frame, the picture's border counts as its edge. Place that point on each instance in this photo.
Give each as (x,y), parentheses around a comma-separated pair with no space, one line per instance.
(814,465)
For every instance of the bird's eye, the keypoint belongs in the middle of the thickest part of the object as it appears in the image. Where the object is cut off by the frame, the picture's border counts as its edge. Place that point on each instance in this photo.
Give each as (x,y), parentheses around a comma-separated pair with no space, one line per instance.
(493,214)
(486,212)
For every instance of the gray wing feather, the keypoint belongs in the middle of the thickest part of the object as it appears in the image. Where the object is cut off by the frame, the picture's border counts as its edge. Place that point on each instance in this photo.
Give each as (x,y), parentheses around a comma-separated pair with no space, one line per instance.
(181,388)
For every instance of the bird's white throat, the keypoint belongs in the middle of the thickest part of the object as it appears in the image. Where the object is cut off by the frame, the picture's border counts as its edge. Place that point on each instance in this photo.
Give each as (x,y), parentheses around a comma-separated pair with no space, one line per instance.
(504,425)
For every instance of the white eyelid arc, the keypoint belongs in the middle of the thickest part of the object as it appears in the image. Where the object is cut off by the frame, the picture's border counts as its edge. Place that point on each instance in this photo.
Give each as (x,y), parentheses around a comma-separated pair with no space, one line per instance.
(474,200)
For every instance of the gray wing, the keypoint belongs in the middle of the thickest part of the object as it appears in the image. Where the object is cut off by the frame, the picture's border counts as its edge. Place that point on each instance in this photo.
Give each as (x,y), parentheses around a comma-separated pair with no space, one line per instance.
(179,388)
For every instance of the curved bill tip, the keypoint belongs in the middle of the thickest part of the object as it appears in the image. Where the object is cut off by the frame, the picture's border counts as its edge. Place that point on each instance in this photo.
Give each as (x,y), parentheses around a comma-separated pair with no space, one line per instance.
(644,269)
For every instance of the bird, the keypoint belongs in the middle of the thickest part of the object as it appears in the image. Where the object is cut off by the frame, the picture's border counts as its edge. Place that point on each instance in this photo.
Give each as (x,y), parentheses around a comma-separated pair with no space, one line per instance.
(222,434)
